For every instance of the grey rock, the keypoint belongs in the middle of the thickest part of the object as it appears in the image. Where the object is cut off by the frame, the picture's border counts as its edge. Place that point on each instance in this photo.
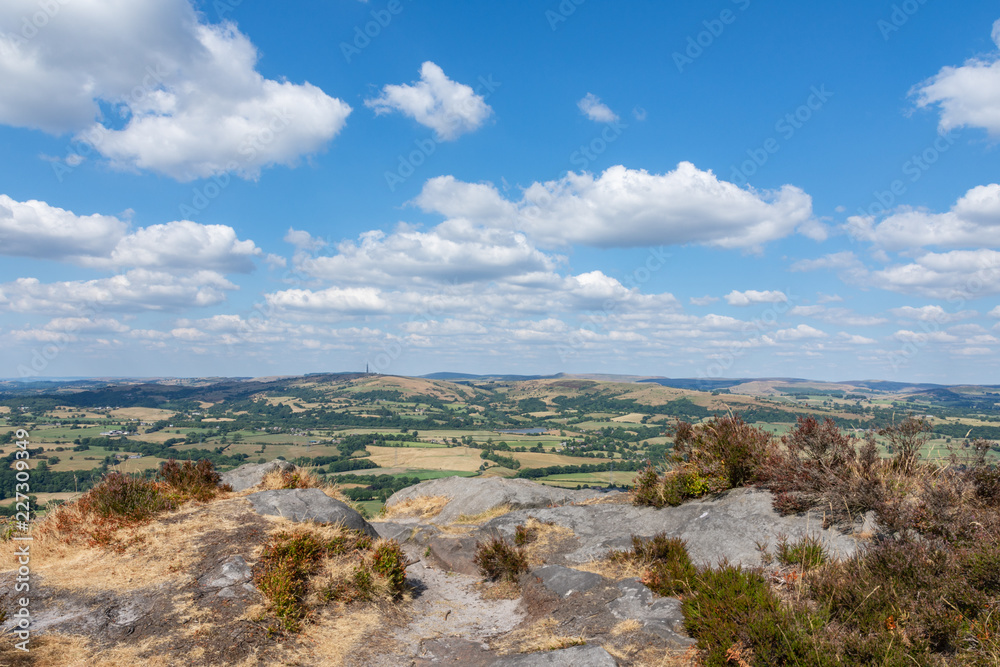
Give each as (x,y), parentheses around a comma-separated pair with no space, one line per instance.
(728,525)
(564,581)
(575,656)
(309,505)
(230,579)
(455,554)
(661,616)
(474,495)
(234,570)
(406,532)
(251,474)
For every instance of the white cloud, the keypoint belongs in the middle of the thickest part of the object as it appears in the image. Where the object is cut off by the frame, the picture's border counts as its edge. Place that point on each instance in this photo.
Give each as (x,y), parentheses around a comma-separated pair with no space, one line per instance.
(828,298)
(840,261)
(703,300)
(907,336)
(303,240)
(449,108)
(441,255)
(841,316)
(186,245)
(967,96)
(995,312)
(627,208)
(854,339)
(801,332)
(138,288)
(974,221)
(958,274)
(932,314)
(192,101)
(751,297)
(592,107)
(35,229)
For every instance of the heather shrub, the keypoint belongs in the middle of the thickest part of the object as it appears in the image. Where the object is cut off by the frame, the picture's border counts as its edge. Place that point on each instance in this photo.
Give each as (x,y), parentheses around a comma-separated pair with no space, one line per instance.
(669,570)
(300,570)
(123,497)
(191,480)
(497,559)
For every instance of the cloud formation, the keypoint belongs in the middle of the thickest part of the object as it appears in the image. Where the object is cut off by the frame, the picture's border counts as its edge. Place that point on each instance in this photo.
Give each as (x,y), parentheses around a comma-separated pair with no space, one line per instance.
(449,108)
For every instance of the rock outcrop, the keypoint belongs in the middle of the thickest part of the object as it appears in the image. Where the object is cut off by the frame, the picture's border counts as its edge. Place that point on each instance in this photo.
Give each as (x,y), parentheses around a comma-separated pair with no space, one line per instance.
(250,475)
(474,495)
(309,505)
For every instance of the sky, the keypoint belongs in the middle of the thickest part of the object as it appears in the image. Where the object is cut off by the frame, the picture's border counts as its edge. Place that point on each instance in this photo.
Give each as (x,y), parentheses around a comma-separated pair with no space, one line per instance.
(717,189)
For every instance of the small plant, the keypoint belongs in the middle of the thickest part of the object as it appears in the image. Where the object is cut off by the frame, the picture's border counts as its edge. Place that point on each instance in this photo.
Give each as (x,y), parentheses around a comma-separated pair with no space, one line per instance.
(308,566)
(807,552)
(131,499)
(669,570)
(192,480)
(524,534)
(497,559)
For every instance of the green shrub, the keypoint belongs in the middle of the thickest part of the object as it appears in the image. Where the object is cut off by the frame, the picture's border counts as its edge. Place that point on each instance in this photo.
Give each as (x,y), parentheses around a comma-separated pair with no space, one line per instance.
(735,609)
(192,480)
(290,562)
(124,497)
(497,559)
(669,570)
(807,552)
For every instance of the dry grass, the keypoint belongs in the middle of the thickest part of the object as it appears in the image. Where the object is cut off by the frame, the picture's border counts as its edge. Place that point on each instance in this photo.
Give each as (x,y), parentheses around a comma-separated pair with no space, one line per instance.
(539,636)
(337,635)
(483,517)
(544,538)
(626,627)
(502,590)
(159,551)
(423,507)
(58,650)
(613,570)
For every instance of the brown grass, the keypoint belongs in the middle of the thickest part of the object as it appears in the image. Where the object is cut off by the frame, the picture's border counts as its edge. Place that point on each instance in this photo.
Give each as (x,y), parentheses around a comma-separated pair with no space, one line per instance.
(539,636)
(160,551)
(545,537)
(483,517)
(614,570)
(423,507)
(502,590)
(337,635)
(59,650)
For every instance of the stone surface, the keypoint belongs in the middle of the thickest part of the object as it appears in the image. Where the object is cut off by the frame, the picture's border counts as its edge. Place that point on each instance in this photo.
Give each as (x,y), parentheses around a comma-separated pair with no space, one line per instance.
(728,525)
(308,505)
(564,581)
(475,495)
(661,616)
(230,579)
(249,475)
(575,656)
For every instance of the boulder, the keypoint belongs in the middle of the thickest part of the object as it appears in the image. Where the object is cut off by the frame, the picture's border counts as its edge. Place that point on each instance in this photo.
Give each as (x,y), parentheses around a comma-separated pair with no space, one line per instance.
(231,578)
(728,525)
(661,616)
(475,495)
(309,505)
(251,474)
(564,581)
(574,656)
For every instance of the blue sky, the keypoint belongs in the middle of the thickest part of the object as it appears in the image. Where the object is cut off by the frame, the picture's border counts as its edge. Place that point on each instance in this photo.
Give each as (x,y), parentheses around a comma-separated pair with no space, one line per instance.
(726,189)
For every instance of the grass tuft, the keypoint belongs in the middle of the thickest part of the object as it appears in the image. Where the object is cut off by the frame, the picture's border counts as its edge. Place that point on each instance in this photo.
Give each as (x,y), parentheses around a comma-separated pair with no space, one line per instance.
(498,559)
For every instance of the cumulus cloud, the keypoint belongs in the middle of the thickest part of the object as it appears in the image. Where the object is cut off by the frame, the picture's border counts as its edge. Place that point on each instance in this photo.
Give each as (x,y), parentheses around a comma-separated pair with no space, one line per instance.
(751,297)
(440,255)
(973,221)
(958,274)
(841,316)
(303,240)
(597,111)
(801,332)
(854,339)
(37,230)
(138,288)
(966,96)
(703,300)
(449,108)
(932,314)
(188,98)
(628,208)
